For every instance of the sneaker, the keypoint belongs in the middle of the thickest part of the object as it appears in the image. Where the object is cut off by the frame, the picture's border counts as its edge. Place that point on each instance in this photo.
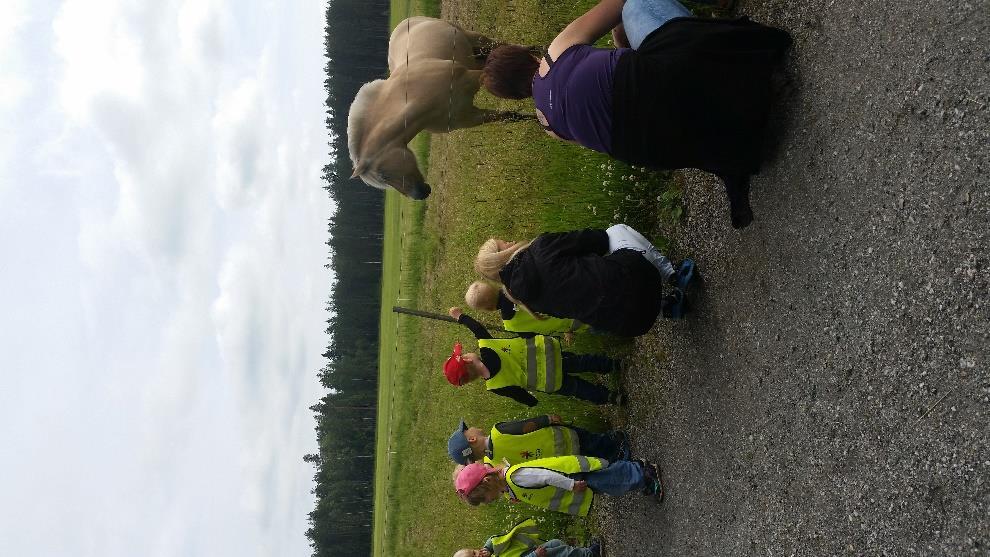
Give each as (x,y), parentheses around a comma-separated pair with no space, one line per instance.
(596,548)
(685,274)
(651,477)
(658,490)
(674,305)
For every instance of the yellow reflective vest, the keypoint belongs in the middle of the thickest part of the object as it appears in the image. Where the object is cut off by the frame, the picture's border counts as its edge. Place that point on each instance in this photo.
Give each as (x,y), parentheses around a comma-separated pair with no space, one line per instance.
(531,363)
(552,497)
(541,443)
(523,322)
(517,542)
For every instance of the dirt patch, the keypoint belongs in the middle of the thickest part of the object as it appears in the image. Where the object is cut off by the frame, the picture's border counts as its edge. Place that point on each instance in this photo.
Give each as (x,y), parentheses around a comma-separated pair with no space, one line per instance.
(831,393)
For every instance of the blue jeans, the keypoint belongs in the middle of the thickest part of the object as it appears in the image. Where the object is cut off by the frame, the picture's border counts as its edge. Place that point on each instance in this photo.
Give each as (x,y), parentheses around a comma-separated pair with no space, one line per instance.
(557,548)
(621,477)
(642,17)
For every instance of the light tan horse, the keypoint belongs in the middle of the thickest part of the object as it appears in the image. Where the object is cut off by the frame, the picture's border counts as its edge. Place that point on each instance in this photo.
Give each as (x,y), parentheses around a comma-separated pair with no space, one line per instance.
(435,70)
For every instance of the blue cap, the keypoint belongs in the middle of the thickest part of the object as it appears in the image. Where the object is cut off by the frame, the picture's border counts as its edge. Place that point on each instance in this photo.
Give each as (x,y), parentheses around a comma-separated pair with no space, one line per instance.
(458,447)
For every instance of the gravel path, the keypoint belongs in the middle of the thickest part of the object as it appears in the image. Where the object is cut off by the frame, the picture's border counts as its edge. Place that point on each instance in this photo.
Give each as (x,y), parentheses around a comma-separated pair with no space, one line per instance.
(831,395)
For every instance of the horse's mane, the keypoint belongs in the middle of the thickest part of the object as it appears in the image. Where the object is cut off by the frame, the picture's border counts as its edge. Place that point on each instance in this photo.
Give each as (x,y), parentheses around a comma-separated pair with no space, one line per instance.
(357,117)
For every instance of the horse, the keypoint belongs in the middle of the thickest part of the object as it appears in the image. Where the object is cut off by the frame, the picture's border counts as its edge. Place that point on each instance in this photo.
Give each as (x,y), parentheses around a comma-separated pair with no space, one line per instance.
(435,72)
(418,38)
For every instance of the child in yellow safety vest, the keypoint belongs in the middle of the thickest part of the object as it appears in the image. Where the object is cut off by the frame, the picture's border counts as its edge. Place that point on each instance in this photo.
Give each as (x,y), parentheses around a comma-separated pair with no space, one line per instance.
(565,484)
(533,438)
(524,541)
(485,296)
(513,366)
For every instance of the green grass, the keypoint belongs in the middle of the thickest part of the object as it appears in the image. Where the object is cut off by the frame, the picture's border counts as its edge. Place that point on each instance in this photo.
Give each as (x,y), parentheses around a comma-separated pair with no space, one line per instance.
(506,180)
(401,9)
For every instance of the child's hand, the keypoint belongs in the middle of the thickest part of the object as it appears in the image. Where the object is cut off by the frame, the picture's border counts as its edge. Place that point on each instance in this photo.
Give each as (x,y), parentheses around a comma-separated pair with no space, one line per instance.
(579,486)
(541,551)
(568,338)
(484,552)
(455,312)
(554,419)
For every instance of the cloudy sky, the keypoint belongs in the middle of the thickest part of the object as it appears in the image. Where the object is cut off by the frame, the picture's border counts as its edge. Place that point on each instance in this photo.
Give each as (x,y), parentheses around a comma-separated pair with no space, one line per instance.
(161,281)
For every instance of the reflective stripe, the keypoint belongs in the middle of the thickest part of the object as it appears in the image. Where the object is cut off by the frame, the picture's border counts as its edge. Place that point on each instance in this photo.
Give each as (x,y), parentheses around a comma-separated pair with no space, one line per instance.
(531,375)
(558,441)
(576,502)
(557,499)
(575,441)
(549,349)
(585,466)
(501,547)
(533,530)
(527,536)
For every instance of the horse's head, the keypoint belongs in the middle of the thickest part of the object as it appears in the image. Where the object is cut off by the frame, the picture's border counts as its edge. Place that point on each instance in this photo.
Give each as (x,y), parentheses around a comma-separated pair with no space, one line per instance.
(380,162)
(396,168)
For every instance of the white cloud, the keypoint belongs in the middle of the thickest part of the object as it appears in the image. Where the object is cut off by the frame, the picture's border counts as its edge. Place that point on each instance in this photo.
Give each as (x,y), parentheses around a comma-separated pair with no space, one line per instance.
(101,52)
(14,85)
(243,166)
(192,157)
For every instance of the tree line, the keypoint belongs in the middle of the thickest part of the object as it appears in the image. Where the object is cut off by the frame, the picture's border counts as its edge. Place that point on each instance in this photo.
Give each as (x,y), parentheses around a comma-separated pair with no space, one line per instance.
(356,41)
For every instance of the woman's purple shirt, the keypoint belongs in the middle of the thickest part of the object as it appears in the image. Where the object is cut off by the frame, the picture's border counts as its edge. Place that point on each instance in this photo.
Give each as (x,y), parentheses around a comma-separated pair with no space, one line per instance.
(576,95)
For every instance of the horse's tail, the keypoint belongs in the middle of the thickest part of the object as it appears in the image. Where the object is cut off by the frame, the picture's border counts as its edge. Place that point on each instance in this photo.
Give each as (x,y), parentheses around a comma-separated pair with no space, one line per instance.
(358,121)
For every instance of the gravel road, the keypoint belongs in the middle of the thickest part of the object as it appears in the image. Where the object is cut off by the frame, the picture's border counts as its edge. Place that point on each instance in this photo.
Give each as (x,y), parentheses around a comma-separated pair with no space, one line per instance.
(831,394)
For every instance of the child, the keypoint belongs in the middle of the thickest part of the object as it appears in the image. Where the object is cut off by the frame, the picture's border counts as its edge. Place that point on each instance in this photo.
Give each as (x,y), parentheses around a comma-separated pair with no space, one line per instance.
(485,296)
(610,279)
(565,484)
(511,366)
(523,541)
(531,439)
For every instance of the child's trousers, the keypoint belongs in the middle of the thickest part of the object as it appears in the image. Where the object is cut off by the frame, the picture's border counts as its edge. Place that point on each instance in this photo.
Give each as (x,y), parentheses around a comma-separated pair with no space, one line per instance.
(571,363)
(623,236)
(619,478)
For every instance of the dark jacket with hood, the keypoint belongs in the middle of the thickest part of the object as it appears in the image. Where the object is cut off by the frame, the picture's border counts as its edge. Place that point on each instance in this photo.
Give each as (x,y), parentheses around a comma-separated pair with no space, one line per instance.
(568,274)
(697,94)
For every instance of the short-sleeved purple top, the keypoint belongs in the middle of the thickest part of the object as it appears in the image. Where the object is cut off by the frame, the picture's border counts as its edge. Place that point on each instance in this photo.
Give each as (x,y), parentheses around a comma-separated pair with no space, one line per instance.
(576,95)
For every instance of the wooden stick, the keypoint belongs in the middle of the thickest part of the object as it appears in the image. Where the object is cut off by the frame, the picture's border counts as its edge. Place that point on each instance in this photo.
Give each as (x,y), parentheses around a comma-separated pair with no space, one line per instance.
(437,316)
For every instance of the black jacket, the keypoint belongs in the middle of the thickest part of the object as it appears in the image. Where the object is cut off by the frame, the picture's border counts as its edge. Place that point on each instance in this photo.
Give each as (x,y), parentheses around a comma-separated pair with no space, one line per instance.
(568,274)
(696,94)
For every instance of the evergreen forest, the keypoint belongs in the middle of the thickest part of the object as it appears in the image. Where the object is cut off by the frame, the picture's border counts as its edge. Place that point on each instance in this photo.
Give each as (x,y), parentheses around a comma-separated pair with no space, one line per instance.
(356,43)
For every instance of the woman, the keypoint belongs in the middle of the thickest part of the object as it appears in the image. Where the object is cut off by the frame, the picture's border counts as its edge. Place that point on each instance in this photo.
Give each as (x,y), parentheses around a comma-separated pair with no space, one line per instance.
(610,279)
(693,93)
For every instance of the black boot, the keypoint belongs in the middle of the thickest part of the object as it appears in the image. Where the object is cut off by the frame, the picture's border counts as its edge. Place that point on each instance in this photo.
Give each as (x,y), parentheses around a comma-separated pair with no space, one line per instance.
(737,189)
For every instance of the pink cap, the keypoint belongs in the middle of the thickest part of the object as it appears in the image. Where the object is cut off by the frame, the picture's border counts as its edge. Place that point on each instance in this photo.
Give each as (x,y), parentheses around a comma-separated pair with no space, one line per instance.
(470,476)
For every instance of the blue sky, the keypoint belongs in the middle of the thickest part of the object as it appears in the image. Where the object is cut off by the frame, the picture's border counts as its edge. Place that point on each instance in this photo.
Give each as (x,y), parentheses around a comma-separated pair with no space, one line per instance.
(162,229)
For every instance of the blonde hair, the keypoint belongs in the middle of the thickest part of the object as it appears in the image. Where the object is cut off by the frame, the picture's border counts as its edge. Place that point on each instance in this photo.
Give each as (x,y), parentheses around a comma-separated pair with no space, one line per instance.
(487,486)
(464,553)
(490,259)
(482,295)
(457,470)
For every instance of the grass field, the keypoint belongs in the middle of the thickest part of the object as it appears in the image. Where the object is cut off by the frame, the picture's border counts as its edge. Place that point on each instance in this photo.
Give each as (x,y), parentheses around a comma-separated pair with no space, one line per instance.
(506,180)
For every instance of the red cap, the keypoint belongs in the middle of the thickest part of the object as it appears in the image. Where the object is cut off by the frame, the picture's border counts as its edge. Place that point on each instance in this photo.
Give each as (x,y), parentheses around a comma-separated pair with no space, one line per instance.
(470,476)
(455,368)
